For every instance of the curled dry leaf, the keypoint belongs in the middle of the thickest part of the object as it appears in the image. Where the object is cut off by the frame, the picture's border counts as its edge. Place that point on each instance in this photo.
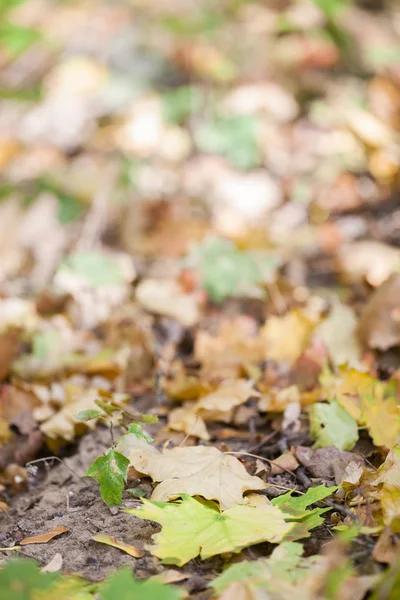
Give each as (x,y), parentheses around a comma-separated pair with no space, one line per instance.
(43,538)
(197,471)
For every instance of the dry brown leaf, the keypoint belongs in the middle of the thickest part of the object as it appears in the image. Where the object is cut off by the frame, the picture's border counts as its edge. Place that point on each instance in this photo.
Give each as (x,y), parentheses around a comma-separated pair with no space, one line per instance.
(379,325)
(112,541)
(285,462)
(186,419)
(197,471)
(216,406)
(278,400)
(236,345)
(64,424)
(287,337)
(387,548)
(338,333)
(170,576)
(370,260)
(219,405)
(166,297)
(43,538)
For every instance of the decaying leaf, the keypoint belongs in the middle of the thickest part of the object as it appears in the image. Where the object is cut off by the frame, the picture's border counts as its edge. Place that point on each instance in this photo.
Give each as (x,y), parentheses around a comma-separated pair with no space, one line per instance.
(198,471)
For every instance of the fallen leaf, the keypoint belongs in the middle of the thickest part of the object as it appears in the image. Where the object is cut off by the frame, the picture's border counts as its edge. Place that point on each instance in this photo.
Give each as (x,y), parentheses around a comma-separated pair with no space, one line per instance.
(379,325)
(220,404)
(166,297)
(370,260)
(381,414)
(283,463)
(228,352)
(191,528)
(123,585)
(328,462)
(387,480)
(331,425)
(200,470)
(64,424)
(20,579)
(286,337)
(54,565)
(170,576)
(187,420)
(43,538)
(338,333)
(10,343)
(112,541)
(387,548)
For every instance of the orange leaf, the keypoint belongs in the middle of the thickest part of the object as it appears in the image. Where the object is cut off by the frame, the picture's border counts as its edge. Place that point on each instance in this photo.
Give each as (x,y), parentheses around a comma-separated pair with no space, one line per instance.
(112,541)
(43,538)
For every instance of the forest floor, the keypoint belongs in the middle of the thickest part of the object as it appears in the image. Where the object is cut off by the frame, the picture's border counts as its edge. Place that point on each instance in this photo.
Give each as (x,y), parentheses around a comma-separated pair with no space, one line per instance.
(200,242)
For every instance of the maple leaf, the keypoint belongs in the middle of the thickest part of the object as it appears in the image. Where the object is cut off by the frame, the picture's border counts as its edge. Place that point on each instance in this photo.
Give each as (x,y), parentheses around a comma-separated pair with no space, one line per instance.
(370,402)
(193,527)
(276,574)
(197,471)
(124,586)
(110,472)
(216,406)
(331,425)
(286,337)
(296,511)
(388,481)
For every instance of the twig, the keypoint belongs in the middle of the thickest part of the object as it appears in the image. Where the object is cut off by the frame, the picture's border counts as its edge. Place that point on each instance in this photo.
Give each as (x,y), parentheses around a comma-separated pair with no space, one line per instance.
(38,460)
(271,462)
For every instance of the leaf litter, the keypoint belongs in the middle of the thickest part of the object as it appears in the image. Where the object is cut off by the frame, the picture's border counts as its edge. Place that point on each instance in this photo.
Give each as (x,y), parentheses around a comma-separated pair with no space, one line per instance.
(199,307)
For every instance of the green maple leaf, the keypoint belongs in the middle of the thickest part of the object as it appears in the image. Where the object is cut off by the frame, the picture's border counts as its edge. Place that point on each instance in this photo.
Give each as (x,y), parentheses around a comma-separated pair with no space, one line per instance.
(21,579)
(284,565)
(110,472)
(195,527)
(123,586)
(331,425)
(296,510)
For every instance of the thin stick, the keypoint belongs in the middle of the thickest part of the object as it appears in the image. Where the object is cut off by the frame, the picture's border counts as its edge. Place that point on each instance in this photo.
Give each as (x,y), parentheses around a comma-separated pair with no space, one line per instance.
(32,462)
(271,462)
